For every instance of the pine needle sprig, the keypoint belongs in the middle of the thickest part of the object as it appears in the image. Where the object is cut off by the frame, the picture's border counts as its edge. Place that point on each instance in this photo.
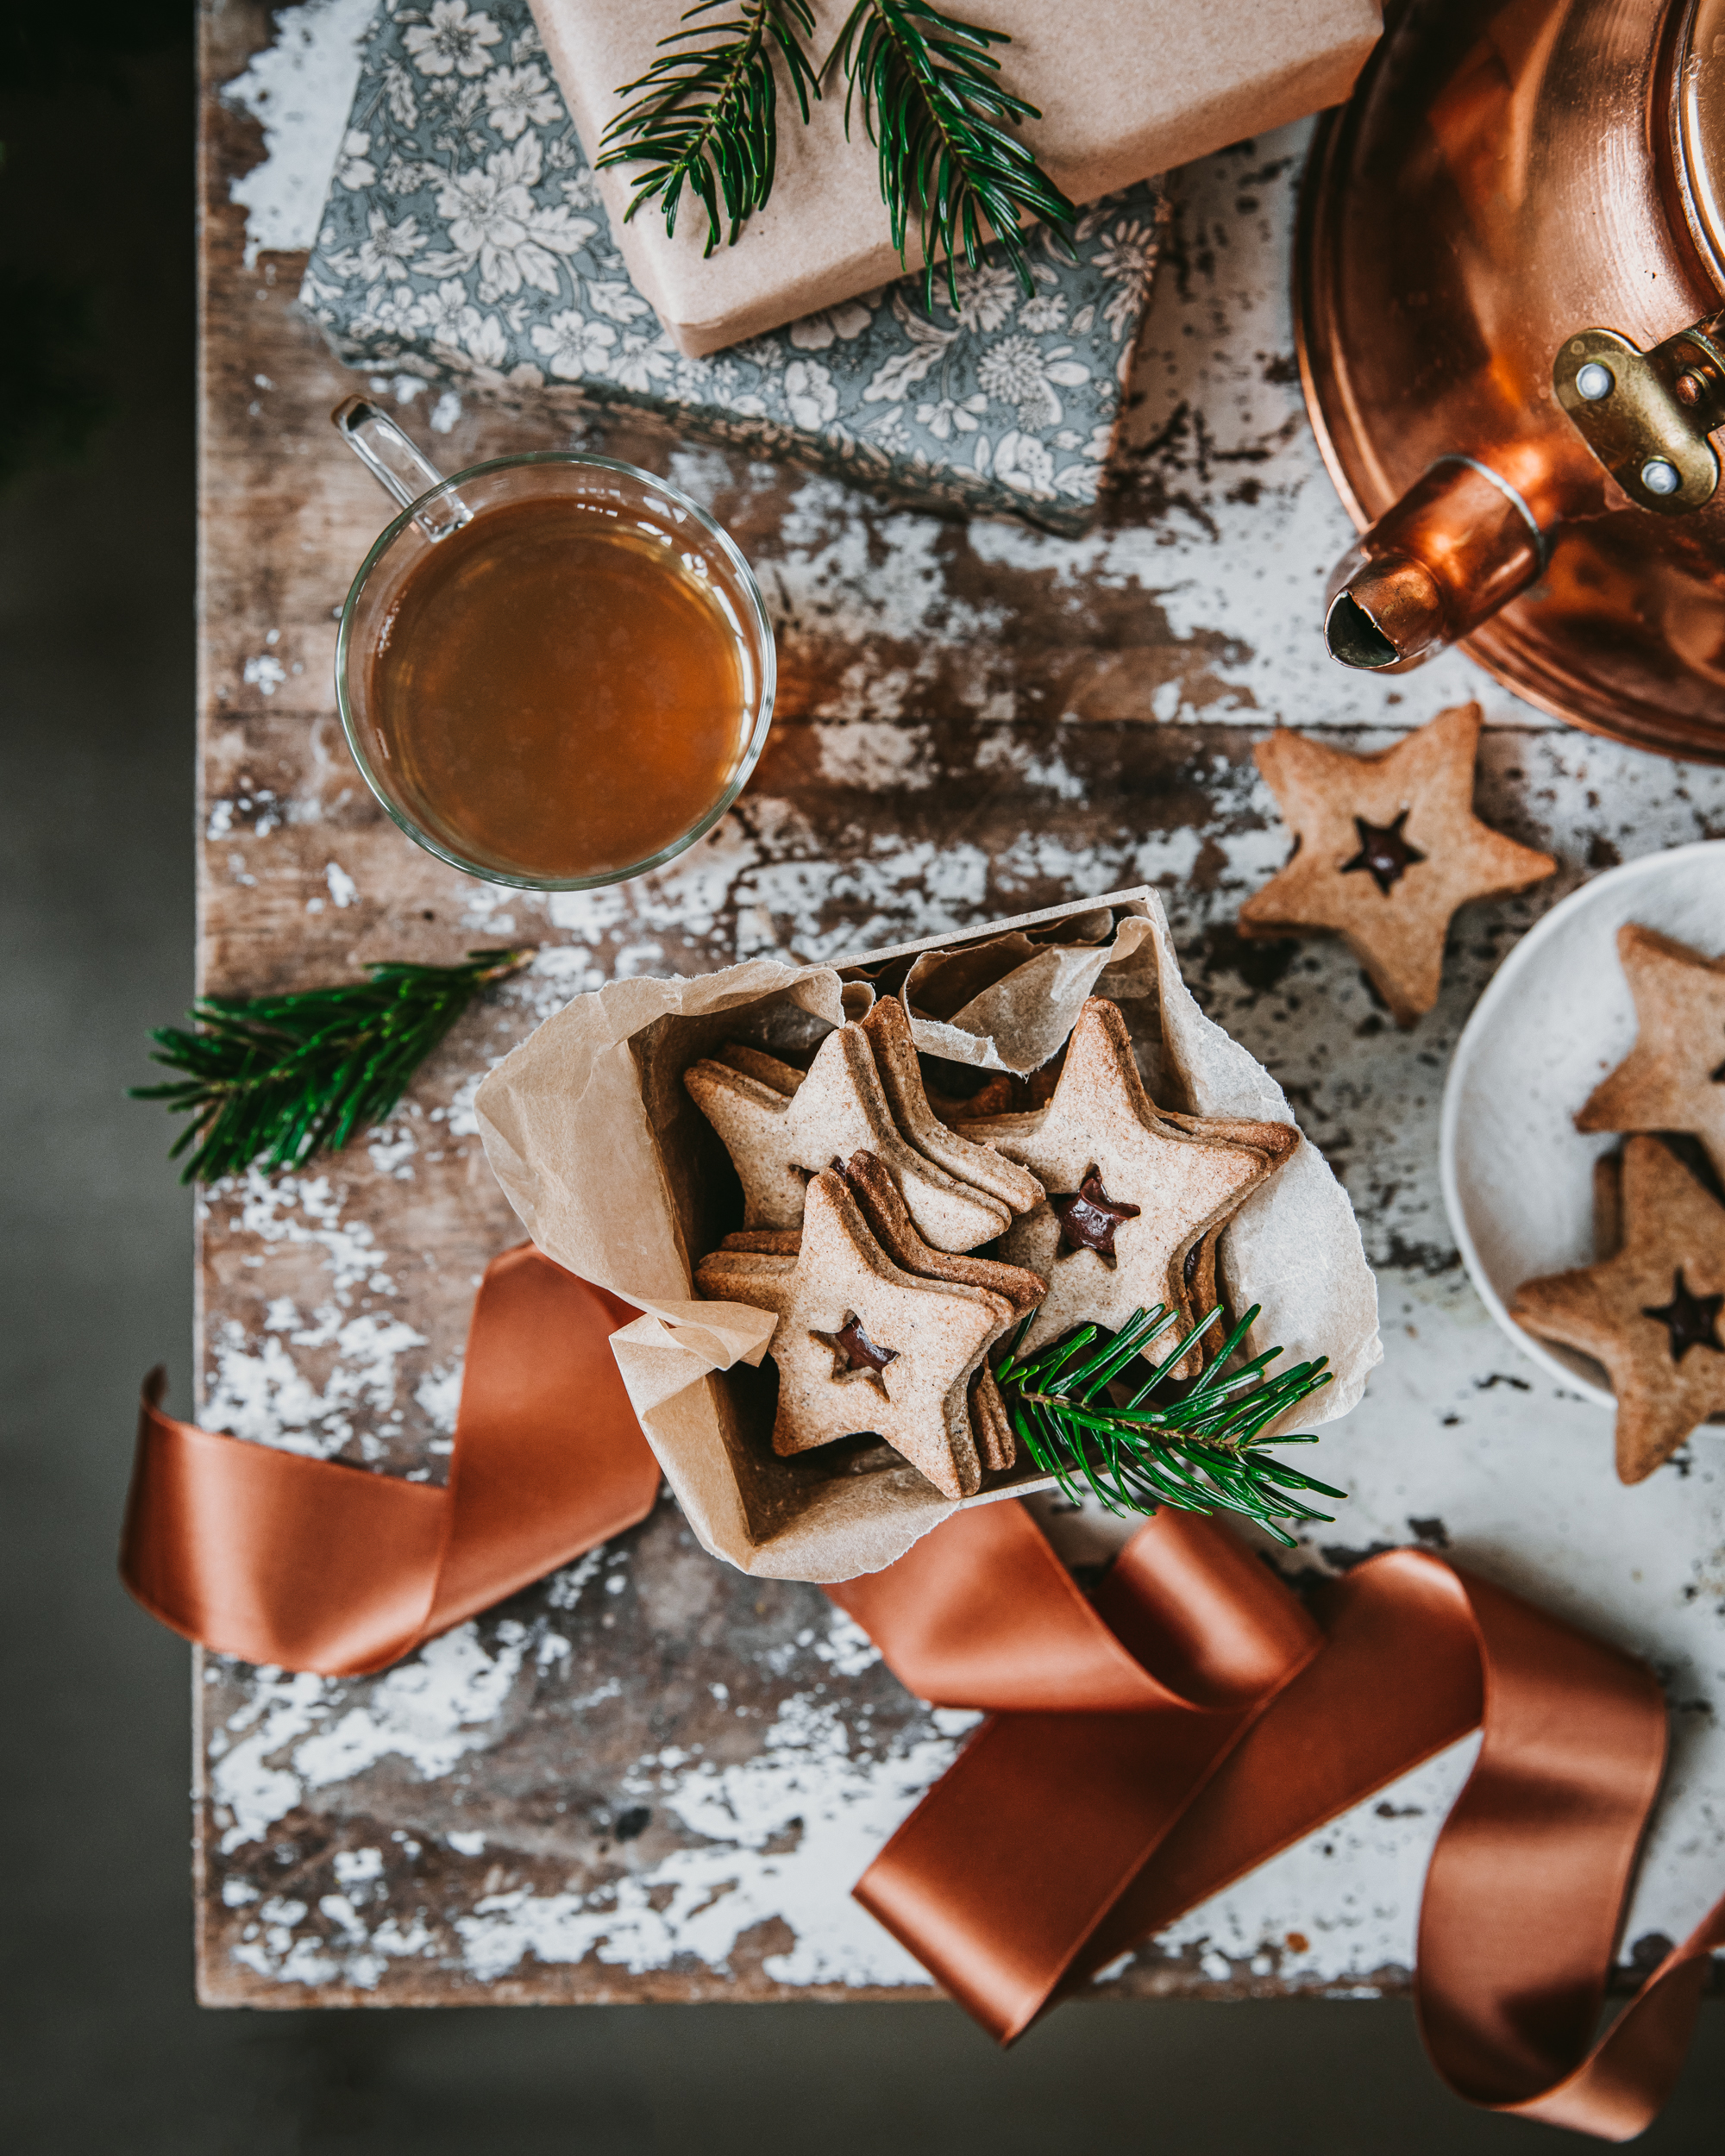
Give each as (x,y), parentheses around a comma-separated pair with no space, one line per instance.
(277,1079)
(707,118)
(1198,1446)
(927,89)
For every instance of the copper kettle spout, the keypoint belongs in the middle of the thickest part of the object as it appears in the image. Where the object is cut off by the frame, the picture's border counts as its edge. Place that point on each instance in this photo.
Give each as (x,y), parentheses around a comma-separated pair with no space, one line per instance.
(1460,543)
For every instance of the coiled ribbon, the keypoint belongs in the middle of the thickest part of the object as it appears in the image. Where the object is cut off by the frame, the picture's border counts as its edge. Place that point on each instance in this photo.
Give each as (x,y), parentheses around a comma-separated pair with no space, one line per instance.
(1142,1750)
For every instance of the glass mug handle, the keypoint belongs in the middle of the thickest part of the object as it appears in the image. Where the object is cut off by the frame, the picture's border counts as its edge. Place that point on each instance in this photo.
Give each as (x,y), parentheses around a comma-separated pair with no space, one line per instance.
(399,466)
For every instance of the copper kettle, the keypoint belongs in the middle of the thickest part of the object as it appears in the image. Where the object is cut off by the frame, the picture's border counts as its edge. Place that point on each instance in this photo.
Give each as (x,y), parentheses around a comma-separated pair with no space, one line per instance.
(1510,291)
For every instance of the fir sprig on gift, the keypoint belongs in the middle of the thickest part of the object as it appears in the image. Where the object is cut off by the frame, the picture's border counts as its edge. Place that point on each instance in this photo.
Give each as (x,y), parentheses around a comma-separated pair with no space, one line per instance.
(1197,1446)
(708,117)
(928,89)
(276,1079)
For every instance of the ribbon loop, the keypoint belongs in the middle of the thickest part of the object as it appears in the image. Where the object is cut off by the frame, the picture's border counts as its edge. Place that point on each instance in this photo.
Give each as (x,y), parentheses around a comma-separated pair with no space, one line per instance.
(312,1565)
(1142,1752)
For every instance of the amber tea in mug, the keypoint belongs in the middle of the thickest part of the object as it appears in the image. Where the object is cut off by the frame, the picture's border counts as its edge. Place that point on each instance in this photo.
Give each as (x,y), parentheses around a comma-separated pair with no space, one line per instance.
(555,671)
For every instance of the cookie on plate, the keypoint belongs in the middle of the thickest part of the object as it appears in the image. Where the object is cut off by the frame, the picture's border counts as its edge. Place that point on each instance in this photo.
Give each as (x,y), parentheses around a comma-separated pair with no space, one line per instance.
(1673,1078)
(1650,1312)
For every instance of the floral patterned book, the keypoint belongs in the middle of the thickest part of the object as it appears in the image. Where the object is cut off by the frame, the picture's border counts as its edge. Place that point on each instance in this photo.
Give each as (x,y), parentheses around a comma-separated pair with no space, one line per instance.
(463,241)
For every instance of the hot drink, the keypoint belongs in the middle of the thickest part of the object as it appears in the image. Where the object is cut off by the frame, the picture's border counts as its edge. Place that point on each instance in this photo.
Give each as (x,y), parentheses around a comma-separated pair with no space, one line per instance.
(556,692)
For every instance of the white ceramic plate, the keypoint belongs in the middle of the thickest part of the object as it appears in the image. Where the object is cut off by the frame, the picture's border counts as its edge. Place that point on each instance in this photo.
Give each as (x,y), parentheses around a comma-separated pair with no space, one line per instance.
(1517,1174)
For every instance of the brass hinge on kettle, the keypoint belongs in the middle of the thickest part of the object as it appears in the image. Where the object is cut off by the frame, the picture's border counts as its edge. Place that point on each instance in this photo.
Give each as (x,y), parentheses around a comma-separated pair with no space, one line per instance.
(1647,416)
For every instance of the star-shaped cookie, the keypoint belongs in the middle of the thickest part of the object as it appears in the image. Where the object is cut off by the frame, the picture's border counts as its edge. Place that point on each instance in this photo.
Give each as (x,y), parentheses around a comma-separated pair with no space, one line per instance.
(778,1140)
(1673,1078)
(894,1229)
(1651,1315)
(877,1196)
(888,1028)
(863,1345)
(1386,848)
(1130,1191)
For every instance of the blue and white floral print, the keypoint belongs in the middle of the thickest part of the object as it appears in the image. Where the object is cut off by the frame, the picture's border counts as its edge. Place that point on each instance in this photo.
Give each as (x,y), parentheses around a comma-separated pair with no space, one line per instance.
(463,238)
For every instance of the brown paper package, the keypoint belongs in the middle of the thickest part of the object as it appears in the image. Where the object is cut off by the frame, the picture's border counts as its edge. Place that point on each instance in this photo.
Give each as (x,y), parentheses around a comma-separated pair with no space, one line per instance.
(616,1176)
(1126,88)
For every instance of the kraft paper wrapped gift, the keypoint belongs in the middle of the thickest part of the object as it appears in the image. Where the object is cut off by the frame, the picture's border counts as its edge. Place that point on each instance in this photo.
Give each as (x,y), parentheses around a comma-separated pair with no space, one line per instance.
(464,241)
(617,1176)
(1126,88)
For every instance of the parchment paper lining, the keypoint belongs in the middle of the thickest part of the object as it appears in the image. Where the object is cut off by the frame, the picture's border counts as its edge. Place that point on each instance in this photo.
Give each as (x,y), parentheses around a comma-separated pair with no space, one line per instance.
(616,1175)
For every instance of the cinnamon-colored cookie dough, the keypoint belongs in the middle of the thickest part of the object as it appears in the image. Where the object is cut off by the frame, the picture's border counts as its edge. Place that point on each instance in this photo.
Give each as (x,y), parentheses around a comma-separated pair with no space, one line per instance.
(1651,1313)
(1673,1079)
(863,1345)
(1387,847)
(778,1140)
(1130,1190)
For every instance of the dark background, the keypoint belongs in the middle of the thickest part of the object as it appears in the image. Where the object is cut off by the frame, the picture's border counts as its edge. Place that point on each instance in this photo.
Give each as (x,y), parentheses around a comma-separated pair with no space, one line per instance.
(104,2049)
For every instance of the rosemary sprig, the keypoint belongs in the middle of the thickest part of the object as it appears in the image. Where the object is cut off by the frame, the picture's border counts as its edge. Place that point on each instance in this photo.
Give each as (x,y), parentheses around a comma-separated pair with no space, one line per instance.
(926,85)
(274,1079)
(1196,1447)
(708,116)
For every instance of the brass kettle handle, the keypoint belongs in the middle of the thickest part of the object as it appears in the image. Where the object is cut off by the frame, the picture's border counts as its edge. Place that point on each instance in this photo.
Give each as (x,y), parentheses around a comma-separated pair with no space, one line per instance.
(1647,416)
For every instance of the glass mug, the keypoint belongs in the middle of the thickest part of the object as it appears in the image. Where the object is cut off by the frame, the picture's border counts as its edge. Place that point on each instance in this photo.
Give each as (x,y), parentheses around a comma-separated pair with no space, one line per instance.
(554,670)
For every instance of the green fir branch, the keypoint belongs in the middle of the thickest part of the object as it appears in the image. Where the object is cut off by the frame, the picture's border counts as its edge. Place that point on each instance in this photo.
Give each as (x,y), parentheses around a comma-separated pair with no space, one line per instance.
(1199,1447)
(277,1079)
(707,117)
(927,88)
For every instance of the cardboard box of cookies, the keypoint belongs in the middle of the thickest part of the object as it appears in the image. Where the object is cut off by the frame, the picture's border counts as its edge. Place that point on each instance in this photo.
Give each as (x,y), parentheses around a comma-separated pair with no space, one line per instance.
(835,1191)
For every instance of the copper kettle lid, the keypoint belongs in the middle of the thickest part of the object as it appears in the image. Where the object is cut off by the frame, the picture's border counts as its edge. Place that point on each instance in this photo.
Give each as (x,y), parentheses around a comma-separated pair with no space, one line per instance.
(1698,128)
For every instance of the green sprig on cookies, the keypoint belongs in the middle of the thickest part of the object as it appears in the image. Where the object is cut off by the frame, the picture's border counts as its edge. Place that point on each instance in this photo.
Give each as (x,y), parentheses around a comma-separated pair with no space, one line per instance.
(865,1220)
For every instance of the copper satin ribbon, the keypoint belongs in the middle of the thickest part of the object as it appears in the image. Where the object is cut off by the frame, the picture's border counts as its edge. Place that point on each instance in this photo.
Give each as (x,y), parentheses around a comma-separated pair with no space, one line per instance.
(1142,1751)
(309,1565)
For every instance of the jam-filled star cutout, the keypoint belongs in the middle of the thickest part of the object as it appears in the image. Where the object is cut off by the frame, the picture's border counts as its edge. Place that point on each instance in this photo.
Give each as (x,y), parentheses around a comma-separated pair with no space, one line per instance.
(1671,1080)
(778,1140)
(1089,1219)
(854,1354)
(1624,1313)
(919,1399)
(1692,1321)
(1408,807)
(1384,853)
(1166,1184)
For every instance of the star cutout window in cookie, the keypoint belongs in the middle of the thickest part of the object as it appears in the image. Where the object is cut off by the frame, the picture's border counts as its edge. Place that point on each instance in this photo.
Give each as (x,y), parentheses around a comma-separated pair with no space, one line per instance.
(1384,853)
(840,1301)
(1407,809)
(1645,1311)
(1671,1080)
(854,1354)
(1090,1219)
(1692,1321)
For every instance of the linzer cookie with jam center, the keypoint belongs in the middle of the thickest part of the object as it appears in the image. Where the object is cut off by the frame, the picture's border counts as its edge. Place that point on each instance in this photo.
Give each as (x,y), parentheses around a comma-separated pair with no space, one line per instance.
(1130,1191)
(864,1346)
(889,1220)
(1387,848)
(1650,1312)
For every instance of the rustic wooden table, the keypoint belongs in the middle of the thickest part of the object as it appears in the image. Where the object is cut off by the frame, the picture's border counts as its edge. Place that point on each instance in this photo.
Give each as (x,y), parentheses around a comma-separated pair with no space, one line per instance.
(650,1777)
